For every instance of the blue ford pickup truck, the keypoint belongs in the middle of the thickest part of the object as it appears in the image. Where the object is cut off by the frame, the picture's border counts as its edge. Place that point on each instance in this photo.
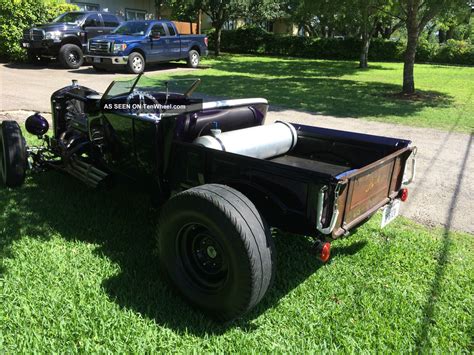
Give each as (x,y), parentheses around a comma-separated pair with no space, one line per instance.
(136,43)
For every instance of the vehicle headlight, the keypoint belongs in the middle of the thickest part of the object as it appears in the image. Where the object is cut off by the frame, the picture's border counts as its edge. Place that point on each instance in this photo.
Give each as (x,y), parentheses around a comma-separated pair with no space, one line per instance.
(119,47)
(54,35)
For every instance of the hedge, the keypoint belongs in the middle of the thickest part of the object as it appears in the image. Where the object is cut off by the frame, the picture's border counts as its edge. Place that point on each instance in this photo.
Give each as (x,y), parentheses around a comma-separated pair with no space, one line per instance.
(253,40)
(18,15)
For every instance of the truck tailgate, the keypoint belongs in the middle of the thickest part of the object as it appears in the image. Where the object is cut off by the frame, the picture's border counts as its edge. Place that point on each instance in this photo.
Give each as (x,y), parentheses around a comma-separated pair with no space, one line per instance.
(366,190)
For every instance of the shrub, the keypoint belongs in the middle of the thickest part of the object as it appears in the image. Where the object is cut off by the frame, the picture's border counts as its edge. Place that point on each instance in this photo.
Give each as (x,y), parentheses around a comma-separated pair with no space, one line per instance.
(19,15)
(426,50)
(459,52)
(386,50)
(255,40)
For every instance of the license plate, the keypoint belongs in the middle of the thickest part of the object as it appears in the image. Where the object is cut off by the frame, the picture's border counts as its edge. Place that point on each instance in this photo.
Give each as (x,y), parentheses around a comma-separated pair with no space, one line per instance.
(390,212)
(96,60)
(26,45)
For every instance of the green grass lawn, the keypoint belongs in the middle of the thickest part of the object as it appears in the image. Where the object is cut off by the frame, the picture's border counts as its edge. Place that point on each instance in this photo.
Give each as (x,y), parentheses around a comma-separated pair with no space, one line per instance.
(339,88)
(78,271)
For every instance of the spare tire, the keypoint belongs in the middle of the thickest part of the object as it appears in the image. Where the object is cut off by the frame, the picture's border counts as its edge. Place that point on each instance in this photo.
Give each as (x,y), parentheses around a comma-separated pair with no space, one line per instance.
(13,156)
(217,250)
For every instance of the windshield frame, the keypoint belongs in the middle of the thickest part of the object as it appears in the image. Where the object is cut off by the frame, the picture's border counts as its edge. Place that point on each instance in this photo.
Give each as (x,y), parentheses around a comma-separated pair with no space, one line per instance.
(136,34)
(80,17)
(133,84)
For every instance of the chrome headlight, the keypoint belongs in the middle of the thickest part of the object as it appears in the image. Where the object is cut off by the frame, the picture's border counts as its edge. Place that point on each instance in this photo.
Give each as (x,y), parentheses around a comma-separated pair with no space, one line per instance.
(54,35)
(119,47)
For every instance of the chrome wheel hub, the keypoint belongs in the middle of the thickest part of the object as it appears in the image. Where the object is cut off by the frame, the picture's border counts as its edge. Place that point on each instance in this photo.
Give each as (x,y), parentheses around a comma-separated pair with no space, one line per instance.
(195,59)
(137,64)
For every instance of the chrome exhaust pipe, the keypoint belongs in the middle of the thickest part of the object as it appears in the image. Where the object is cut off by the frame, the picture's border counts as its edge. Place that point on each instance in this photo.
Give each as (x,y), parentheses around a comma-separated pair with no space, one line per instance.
(86,173)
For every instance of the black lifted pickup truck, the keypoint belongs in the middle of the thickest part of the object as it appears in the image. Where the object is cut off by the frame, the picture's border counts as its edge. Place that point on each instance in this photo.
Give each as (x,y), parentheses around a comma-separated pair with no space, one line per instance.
(221,175)
(66,37)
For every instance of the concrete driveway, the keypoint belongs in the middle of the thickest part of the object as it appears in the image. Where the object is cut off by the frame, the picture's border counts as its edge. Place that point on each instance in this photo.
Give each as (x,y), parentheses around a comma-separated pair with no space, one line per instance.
(443,194)
(28,87)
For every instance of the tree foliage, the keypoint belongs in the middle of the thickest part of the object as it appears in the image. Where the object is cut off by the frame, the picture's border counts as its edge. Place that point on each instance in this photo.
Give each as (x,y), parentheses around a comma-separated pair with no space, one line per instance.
(222,11)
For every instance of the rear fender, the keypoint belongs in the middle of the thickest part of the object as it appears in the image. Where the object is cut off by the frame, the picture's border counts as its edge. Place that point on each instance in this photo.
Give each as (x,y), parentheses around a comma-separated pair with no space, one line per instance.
(267,203)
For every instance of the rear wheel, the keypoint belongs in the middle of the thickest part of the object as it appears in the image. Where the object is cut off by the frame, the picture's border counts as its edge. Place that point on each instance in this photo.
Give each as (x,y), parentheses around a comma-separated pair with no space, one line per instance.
(136,63)
(71,56)
(193,59)
(217,250)
(13,157)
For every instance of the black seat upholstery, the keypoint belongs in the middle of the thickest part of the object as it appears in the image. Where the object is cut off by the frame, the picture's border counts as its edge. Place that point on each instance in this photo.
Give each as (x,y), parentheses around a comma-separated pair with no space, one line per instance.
(228,119)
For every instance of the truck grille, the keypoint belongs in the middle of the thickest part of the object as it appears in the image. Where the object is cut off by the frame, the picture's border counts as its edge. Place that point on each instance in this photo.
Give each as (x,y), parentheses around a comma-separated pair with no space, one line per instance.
(33,34)
(99,47)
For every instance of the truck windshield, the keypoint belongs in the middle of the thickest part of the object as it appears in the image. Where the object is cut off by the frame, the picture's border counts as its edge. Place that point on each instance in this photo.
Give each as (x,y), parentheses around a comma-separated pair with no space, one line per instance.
(134,28)
(69,17)
(182,86)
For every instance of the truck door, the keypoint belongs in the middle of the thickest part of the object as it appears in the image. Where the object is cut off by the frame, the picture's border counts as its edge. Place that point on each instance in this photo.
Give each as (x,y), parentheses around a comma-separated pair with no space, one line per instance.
(158,48)
(93,26)
(173,42)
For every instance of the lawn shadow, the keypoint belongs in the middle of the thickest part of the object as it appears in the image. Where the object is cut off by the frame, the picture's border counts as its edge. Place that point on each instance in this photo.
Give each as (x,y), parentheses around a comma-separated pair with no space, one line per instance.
(291,67)
(121,221)
(322,95)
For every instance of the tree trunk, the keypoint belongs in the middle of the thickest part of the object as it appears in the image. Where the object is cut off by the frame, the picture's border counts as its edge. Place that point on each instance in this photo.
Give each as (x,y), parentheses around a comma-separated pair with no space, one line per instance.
(364,53)
(410,53)
(199,22)
(450,33)
(442,36)
(158,4)
(218,41)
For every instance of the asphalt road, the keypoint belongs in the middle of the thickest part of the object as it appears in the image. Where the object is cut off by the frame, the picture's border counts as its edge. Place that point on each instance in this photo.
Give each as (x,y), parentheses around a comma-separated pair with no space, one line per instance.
(442,195)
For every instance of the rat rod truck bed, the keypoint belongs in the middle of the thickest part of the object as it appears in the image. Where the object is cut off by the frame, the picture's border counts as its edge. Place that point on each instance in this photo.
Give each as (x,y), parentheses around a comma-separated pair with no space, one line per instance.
(331,182)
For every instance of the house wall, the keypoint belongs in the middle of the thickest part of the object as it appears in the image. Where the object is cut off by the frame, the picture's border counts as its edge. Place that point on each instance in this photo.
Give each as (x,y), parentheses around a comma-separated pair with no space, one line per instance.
(281,26)
(119,7)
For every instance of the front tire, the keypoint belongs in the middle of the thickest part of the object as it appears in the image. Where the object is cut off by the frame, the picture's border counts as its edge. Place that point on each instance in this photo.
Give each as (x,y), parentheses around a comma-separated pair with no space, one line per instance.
(13,157)
(193,59)
(71,56)
(136,63)
(217,250)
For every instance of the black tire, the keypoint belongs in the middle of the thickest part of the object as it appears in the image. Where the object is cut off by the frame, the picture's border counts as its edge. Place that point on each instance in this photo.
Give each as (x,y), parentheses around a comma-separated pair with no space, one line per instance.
(136,63)
(193,59)
(216,248)
(99,69)
(71,56)
(13,157)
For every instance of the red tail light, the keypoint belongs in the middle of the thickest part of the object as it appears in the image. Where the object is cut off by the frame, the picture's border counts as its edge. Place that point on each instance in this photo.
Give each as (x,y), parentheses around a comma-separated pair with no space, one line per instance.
(325,252)
(206,41)
(404,194)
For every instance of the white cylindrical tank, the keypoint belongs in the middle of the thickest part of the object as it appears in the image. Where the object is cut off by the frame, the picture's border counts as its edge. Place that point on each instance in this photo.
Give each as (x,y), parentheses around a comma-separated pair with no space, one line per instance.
(260,142)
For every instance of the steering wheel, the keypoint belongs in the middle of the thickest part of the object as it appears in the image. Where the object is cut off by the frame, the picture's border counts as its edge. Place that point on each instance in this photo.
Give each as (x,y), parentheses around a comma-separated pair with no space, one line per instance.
(145,99)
